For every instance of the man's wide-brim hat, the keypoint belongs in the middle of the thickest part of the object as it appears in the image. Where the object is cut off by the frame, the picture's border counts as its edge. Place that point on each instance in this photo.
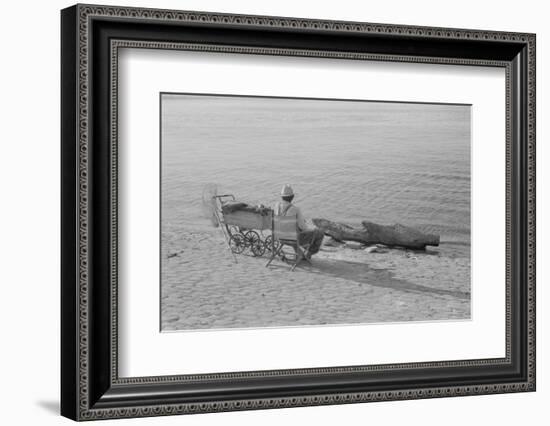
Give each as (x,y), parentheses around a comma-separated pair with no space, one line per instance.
(287,191)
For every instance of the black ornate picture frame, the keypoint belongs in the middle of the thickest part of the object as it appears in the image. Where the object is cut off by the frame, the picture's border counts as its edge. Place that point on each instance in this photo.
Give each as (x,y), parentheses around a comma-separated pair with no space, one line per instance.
(90,385)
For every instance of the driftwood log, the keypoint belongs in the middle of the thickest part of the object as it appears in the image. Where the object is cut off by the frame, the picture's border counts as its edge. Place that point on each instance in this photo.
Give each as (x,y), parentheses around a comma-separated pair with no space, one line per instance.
(372,233)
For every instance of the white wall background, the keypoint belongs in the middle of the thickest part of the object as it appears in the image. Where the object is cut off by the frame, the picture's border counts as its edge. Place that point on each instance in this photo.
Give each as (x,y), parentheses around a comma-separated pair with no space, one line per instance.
(29,225)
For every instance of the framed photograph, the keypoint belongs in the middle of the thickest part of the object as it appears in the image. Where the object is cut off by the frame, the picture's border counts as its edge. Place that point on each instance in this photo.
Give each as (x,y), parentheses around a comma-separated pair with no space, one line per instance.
(263,212)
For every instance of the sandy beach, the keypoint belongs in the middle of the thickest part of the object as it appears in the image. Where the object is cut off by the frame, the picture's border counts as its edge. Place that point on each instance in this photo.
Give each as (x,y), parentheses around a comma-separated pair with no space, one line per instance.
(341,286)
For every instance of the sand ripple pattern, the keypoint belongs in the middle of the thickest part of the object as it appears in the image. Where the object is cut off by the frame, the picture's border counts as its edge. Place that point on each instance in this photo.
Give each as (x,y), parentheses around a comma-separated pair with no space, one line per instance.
(342,286)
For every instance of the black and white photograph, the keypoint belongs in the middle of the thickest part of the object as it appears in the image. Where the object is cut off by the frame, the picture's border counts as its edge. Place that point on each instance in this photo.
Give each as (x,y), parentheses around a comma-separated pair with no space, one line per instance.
(279,212)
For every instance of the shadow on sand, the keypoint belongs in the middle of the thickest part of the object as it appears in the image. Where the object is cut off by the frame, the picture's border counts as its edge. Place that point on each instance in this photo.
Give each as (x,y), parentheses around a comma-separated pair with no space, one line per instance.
(362,273)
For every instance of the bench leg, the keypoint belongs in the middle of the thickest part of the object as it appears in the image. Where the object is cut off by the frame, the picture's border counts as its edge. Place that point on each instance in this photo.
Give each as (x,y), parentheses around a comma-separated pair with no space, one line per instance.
(273,255)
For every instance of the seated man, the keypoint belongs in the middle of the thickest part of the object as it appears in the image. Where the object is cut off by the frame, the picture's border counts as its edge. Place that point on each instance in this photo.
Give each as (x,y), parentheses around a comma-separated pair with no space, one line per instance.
(306,235)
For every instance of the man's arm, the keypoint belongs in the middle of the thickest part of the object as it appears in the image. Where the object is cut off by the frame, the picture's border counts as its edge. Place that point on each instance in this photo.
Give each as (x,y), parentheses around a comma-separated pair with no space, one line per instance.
(302,225)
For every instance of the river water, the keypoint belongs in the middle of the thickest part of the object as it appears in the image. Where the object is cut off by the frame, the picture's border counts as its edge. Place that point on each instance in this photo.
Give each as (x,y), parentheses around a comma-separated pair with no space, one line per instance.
(347,161)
